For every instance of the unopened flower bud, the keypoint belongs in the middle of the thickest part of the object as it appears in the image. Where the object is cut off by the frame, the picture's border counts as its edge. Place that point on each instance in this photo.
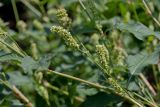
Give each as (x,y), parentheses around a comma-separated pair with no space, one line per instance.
(21,25)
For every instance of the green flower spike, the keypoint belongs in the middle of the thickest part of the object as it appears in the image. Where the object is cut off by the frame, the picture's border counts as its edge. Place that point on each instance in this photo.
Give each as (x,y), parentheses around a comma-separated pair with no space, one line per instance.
(66,36)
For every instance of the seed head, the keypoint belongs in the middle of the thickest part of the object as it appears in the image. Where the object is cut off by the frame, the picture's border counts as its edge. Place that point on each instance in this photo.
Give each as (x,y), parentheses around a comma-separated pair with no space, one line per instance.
(103,55)
(120,57)
(66,36)
(117,87)
(63,18)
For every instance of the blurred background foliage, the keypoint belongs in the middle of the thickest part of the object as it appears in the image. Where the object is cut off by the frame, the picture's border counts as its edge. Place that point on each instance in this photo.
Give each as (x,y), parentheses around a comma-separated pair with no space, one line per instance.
(31,31)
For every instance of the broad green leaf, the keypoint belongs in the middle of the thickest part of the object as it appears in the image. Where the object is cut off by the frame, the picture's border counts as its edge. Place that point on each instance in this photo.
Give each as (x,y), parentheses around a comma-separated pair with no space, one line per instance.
(140,60)
(28,64)
(83,91)
(22,80)
(139,30)
(45,61)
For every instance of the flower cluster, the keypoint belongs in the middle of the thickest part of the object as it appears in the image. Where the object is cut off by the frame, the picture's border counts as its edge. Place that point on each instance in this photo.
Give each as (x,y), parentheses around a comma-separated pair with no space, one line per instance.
(117,87)
(103,55)
(66,36)
(120,57)
(63,18)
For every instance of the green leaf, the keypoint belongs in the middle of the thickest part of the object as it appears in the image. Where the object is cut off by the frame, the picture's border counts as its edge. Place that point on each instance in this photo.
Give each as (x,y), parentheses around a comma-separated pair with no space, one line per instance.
(22,80)
(45,61)
(28,64)
(140,60)
(157,34)
(139,30)
(83,91)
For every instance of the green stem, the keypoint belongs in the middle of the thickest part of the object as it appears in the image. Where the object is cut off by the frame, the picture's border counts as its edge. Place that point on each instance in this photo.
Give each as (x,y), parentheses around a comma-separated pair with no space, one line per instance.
(47,84)
(80,80)
(150,13)
(15,10)
(98,86)
(144,99)
(19,51)
(41,7)
(149,86)
(134,11)
(34,10)
(6,84)
(84,8)
(155,75)
(19,95)
(11,48)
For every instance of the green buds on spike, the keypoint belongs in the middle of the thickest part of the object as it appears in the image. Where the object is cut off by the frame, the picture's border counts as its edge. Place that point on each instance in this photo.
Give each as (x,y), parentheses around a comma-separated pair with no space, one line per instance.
(103,55)
(116,86)
(66,36)
(63,18)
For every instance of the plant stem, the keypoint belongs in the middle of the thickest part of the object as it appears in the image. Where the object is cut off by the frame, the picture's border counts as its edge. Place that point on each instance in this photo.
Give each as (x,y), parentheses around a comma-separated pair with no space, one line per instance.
(41,7)
(19,95)
(155,75)
(134,10)
(150,13)
(144,99)
(11,48)
(78,79)
(81,3)
(147,84)
(34,10)
(98,86)
(48,85)
(15,10)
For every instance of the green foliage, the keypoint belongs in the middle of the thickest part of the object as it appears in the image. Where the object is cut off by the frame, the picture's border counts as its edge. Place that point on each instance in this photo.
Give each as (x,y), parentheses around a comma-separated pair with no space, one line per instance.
(139,30)
(140,60)
(79,53)
(101,100)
